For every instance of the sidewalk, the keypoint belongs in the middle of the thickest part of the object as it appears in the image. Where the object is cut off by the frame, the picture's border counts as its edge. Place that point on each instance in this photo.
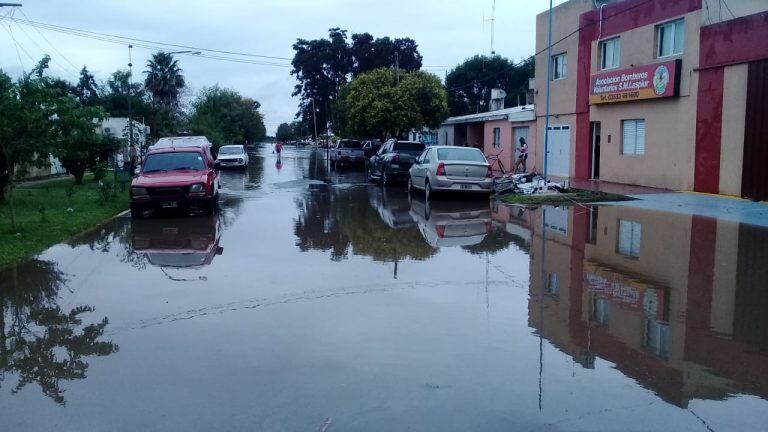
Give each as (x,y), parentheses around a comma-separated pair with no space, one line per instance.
(721,207)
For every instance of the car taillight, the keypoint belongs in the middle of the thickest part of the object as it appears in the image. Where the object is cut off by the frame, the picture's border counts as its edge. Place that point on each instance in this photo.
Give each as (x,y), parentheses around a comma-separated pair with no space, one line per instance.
(440,169)
(440,229)
(489,173)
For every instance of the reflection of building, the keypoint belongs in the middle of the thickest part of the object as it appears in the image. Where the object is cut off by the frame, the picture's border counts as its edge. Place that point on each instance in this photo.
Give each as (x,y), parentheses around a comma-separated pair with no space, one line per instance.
(678,306)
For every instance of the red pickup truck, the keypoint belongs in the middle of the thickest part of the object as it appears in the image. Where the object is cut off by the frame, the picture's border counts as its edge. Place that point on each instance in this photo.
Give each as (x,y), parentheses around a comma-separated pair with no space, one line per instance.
(176,173)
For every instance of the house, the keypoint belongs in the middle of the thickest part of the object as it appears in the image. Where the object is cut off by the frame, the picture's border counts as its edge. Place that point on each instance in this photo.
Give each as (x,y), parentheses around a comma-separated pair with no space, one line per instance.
(659,93)
(496,132)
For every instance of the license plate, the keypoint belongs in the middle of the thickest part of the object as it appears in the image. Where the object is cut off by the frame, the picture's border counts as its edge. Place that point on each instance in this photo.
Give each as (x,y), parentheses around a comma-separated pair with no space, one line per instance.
(395,165)
(170,204)
(465,186)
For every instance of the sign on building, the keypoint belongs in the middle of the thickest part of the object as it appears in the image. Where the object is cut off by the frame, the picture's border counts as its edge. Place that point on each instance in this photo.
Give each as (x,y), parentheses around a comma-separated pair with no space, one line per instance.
(652,81)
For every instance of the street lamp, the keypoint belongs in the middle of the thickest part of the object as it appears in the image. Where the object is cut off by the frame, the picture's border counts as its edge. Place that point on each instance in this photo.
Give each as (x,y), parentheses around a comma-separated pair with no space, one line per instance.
(186,52)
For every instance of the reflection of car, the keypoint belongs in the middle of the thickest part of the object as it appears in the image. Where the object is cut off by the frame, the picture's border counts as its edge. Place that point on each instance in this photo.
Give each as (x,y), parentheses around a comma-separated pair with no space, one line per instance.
(347,152)
(177,172)
(393,161)
(233,156)
(452,223)
(392,205)
(179,243)
(451,169)
(370,147)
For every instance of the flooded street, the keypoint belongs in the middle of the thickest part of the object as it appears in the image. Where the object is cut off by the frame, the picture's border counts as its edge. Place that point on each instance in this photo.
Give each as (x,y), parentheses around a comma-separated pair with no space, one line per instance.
(316,301)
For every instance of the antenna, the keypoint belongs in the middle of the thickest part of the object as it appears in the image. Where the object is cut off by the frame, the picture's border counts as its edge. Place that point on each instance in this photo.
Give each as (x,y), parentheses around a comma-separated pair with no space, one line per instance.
(492,19)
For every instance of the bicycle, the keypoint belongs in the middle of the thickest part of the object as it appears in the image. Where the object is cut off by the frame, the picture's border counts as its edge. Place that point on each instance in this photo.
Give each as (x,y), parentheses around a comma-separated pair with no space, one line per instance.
(497,160)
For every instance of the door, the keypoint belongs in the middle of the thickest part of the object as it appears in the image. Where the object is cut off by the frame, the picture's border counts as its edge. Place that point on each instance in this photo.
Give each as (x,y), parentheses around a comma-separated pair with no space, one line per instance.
(754,175)
(595,134)
(559,150)
(517,133)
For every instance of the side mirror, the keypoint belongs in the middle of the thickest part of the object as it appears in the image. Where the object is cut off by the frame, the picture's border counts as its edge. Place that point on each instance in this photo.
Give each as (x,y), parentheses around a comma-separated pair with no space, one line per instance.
(216,165)
(219,250)
(137,171)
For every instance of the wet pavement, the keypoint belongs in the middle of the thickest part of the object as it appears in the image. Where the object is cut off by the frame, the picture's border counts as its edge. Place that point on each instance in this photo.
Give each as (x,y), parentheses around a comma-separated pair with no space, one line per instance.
(315,301)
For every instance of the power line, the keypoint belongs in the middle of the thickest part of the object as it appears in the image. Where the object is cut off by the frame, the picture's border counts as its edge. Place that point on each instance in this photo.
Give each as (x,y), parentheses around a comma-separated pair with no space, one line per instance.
(16,45)
(49,43)
(555,43)
(44,53)
(125,39)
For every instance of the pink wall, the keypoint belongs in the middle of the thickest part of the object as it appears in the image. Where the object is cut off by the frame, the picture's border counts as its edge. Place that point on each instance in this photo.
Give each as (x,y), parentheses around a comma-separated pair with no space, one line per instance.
(508,141)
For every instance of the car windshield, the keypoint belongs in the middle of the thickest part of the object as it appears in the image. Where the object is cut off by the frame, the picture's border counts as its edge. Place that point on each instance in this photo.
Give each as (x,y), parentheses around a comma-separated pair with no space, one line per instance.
(231,150)
(460,154)
(174,162)
(350,144)
(408,146)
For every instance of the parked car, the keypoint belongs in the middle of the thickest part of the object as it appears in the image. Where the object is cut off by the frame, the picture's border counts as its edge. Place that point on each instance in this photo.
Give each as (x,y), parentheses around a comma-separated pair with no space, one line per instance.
(176,173)
(370,147)
(233,156)
(347,152)
(452,223)
(393,161)
(451,169)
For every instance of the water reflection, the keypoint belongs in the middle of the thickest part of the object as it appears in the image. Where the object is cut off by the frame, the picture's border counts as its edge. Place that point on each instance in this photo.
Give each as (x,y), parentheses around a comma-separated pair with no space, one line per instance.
(344,220)
(40,342)
(678,306)
(178,243)
(451,223)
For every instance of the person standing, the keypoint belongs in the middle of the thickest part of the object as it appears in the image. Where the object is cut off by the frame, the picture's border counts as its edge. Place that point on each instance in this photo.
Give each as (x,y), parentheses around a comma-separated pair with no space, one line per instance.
(278,148)
(133,158)
(523,158)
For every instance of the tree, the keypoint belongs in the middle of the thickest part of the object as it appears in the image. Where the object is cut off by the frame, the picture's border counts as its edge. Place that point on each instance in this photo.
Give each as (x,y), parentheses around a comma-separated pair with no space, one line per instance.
(372,105)
(469,84)
(321,66)
(27,108)
(164,80)
(370,54)
(86,90)
(225,116)
(79,146)
(284,132)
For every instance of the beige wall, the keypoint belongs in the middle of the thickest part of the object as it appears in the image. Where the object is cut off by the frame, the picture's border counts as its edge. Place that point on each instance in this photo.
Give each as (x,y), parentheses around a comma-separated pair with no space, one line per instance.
(670,123)
(565,18)
(732,138)
(724,280)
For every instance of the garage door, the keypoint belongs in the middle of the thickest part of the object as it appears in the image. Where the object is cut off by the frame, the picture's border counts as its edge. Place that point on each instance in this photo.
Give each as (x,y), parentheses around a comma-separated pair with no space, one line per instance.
(559,154)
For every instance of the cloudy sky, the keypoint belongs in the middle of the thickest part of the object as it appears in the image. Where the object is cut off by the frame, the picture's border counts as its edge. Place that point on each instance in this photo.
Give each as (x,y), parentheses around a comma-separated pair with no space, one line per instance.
(447,31)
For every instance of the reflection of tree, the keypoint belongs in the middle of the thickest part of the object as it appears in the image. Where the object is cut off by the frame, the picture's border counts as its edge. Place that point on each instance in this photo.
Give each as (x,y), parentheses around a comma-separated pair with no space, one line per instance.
(336,221)
(39,341)
(495,241)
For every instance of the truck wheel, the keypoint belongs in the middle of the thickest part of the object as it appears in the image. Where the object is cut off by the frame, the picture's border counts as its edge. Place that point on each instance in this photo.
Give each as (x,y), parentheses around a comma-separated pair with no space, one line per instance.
(137,211)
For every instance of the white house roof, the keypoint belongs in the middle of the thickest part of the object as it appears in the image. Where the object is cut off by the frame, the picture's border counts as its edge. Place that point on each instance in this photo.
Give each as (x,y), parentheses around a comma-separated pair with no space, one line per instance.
(514,114)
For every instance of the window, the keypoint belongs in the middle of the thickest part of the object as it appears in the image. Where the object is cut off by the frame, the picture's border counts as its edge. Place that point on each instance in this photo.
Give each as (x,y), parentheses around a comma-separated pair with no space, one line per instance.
(553,286)
(628,243)
(610,51)
(656,338)
(600,310)
(497,137)
(633,137)
(178,161)
(669,38)
(460,154)
(559,66)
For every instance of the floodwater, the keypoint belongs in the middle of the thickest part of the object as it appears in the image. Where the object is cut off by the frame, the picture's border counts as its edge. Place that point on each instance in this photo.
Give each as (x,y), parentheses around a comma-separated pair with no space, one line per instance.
(315,301)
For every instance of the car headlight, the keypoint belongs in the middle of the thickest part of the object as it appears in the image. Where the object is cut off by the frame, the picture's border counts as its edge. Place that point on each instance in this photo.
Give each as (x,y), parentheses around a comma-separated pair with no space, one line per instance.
(197,188)
(139,191)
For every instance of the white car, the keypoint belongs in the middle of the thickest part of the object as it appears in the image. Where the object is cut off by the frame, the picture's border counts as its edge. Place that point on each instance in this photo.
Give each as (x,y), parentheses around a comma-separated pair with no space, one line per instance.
(451,169)
(233,156)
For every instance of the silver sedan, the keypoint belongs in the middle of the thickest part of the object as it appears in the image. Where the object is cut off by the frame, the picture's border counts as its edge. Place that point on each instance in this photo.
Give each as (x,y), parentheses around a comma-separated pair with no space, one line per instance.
(451,169)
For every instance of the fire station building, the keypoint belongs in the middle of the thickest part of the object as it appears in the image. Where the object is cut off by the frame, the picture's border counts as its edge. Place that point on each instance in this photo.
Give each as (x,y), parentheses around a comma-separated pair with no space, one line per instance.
(659,93)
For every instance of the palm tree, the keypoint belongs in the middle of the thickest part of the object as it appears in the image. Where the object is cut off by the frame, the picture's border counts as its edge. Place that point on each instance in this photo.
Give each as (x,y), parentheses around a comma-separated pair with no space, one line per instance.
(164,80)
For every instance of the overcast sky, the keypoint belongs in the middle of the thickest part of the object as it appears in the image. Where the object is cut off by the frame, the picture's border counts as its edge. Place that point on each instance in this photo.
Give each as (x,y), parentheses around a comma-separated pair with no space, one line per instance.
(447,32)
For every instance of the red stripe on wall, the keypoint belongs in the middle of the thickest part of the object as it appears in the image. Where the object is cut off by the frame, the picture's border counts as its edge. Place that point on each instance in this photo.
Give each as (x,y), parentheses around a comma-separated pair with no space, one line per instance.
(709,123)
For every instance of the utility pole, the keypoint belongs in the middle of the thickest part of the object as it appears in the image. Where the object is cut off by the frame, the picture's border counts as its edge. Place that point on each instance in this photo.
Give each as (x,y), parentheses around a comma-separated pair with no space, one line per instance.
(10,4)
(130,110)
(549,79)
(397,68)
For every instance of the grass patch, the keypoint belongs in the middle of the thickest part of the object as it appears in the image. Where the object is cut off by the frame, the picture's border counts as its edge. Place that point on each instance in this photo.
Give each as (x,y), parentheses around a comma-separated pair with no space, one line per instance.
(580,196)
(43,217)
